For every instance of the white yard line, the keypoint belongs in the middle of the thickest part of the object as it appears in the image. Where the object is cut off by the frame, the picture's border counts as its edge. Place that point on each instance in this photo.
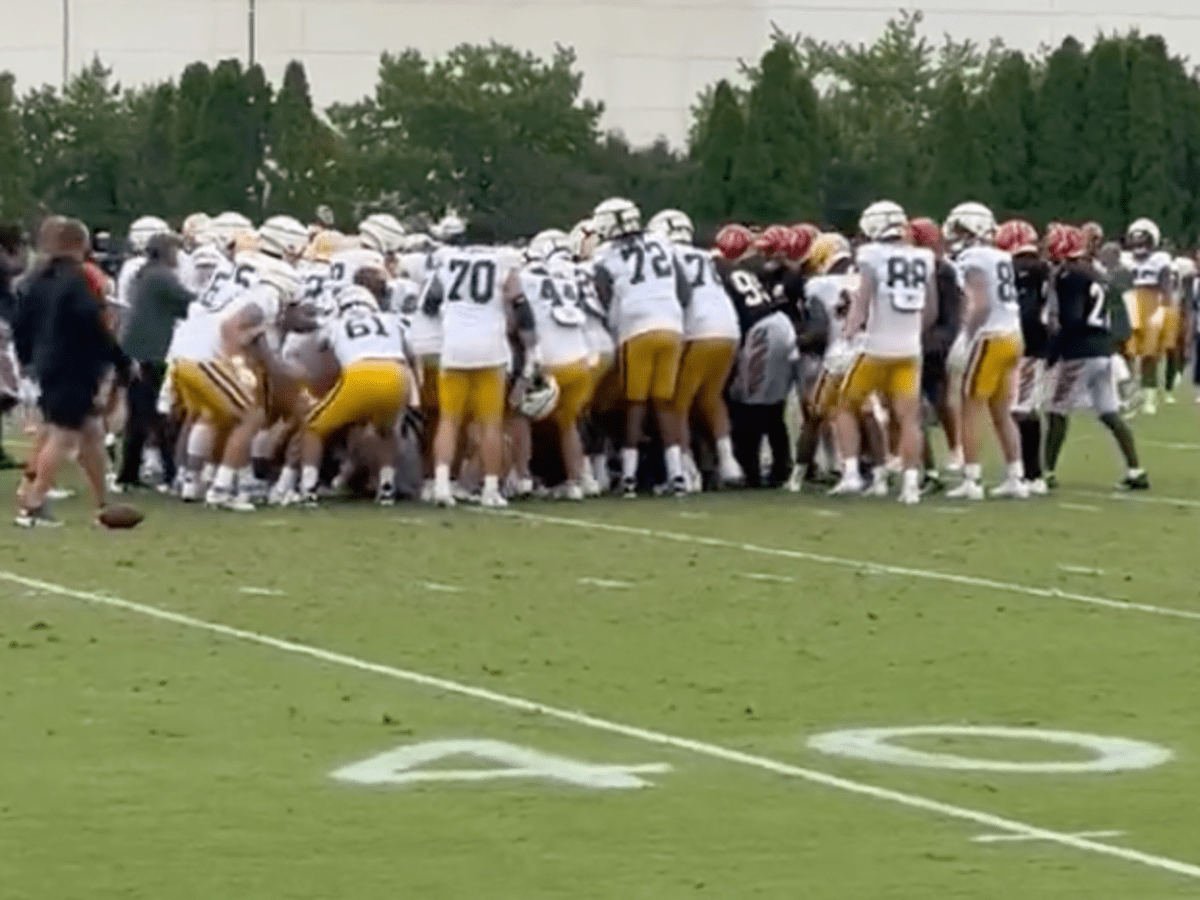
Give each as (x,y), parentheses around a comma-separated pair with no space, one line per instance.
(441,588)
(1140,498)
(605,583)
(1015,838)
(1079,507)
(1080,570)
(763,576)
(714,751)
(260,592)
(862,565)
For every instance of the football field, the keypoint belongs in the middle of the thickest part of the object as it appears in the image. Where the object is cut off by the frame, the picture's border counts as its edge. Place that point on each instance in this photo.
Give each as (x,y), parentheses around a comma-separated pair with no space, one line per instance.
(735,695)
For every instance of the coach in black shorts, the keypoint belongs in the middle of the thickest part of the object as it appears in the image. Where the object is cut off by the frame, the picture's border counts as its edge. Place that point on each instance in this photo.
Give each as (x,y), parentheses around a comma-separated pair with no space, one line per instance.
(63,342)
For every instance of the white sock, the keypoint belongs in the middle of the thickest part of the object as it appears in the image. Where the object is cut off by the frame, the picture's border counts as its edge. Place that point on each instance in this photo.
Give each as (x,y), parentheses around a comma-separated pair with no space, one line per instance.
(200,441)
(1016,471)
(973,471)
(956,457)
(1136,473)
(246,477)
(629,462)
(441,477)
(850,469)
(287,480)
(387,475)
(309,476)
(725,452)
(491,484)
(674,459)
(260,445)
(599,465)
(209,473)
(223,480)
(912,479)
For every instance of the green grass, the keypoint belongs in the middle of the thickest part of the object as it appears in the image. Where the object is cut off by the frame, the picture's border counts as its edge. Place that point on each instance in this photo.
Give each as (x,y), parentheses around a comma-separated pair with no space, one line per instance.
(143,758)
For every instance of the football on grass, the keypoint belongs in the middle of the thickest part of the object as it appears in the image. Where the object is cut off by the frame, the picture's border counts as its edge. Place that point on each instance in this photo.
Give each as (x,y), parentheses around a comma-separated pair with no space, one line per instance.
(120,516)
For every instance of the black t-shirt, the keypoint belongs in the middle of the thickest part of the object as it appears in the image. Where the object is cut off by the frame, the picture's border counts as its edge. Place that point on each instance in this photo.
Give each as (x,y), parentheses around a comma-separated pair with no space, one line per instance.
(941,334)
(751,297)
(1033,289)
(1084,316)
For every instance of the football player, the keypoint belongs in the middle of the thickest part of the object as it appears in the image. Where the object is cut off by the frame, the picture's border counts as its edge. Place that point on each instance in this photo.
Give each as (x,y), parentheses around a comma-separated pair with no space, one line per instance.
(711,336)
(896,301)
(1148,301)
(991,326)
(1083,344)
(1020,239)
(642,283)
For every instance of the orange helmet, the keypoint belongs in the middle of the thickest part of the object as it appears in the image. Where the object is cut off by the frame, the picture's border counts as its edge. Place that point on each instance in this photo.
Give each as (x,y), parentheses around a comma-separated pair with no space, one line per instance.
(733,241)
(773,241)
(801,241)
(1066,242)
(1017,236)
(925,233)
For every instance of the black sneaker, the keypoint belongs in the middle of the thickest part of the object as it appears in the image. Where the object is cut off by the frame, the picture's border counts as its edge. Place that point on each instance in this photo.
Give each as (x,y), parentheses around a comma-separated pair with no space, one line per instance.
(679,486)
(629,488)
(39,517)
(1138,482)
(1051,481)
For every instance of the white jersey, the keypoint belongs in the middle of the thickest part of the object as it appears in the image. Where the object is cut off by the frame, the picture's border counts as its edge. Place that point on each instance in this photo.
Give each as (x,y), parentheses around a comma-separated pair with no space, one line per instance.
(403,294)
(995,267)
(641,270)
(1149,272)
(711,314)
(834,295)
(902,275)
(187,340)
(314,276)
(418,267)
(553,294)
(596,327)
(125,276)
(361,334)
(468,290)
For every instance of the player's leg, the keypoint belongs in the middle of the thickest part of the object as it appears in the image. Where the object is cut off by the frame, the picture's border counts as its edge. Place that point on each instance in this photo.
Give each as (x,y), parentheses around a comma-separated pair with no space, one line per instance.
(718,360)
(636,364)
(453,385)
(904,393)
(486,405)
(860,382)
(1103,397)
(664,378)
(974,409)
(1000,405)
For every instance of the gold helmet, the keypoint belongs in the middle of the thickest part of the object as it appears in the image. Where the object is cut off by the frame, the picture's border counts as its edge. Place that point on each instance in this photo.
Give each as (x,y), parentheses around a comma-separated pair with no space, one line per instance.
(245,241)
(827,251)
(323,245)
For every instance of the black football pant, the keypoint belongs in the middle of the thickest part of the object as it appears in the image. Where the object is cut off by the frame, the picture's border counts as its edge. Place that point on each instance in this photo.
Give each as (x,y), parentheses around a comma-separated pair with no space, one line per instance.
(143,421)
(751,423)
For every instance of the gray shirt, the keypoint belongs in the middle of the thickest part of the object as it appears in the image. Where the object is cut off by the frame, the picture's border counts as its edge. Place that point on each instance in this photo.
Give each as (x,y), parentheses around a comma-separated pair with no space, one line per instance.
(766,365)
(157,299)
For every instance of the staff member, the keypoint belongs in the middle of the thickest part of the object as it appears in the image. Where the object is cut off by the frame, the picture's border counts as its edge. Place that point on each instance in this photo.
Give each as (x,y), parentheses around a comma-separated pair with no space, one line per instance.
(63,341)
(157,299)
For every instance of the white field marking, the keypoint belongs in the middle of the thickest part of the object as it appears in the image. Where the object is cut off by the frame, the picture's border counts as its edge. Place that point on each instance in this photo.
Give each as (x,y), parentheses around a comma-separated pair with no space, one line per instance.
(827,513)
(693,515)
(951,510)
(1141,498)
(443,588)
(1080,570)
(260,592)
(1015,838)
(273,523)
(657,738)
(605,583)
(862,565)
(403,766)
(1109,754)
(763,576)
(1079,507)
(1170,445)
(407,521)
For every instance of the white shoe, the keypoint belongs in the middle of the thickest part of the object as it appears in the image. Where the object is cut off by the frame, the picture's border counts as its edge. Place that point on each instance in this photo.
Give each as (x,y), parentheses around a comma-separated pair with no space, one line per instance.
(589,485)
(443,497)
(795,484)
(910,496)
(461,494)
(1169,399)
(574,491)
(1014,488)
(386,494)
(629,488)
(1038,488)
(522,488)
(190,490)
(732,474)
(1149,407)
(493,500)
(847,487)
(968,490)
(878,486)
(219,499)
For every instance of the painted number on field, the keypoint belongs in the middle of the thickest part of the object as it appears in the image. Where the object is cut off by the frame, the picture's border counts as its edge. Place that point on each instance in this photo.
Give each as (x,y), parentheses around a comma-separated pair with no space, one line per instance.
(1109,754)
(411,764)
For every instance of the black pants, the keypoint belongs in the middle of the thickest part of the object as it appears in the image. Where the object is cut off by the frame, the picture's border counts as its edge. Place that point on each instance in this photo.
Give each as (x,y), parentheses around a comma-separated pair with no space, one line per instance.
(143,421)
(751,423)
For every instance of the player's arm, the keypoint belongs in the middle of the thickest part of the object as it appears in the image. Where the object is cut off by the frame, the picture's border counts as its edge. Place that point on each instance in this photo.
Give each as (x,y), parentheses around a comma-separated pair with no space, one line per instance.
(602,281)
(863,298)
(435,294)
(520,315)
(815,332)
(683,284)
(974,301)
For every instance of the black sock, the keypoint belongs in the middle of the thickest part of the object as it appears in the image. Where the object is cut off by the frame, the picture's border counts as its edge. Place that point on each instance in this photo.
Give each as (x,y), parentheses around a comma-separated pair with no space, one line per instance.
(1056,436)
(1120,430)
(1172,372)
(1030,427)
(262,469)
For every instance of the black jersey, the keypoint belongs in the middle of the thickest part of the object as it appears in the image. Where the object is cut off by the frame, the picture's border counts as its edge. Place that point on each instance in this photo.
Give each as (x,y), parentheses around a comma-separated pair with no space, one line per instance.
(1085,315)
(751,298)
(1033,292)
(944,330)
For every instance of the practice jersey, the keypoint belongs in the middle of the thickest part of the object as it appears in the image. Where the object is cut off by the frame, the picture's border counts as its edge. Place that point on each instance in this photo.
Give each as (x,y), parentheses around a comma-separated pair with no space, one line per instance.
(1033,294)
(644,284)
(403,293)
(995,267)
(833,294)
(596,328)
(314,276)
(1154,271)
(361,334)
(553,295)
(1084,312)
(711,314)
(766,362)
(467,289)
(751,298)
(901,275)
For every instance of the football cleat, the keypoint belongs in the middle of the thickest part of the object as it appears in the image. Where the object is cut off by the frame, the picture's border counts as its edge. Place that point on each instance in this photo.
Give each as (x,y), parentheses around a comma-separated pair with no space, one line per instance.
(1015,488)
(679,486)
(910,496)
(968,490)
(588,484)
(795,483)
(492,500)
(1135,482)
(629,488)
(574,491)
(38,517)
(1038,487)
(443,497)
(1051,481)
(386,494)
(848,486)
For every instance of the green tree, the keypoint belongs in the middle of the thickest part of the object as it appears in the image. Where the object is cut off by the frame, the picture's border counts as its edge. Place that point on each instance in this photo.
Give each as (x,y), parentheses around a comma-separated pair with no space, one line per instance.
(190,163)
(1106,145)
(1060,174)
(1006,117)
(957,169)
(153,187)
(13,173)
(717,142)
(302,149)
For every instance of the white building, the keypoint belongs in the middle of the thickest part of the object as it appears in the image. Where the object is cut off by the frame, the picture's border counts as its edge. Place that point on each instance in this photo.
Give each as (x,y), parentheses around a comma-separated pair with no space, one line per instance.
(646,59)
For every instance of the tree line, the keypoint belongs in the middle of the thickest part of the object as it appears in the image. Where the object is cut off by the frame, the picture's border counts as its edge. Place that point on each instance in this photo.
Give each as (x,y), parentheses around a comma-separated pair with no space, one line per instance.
(811,131)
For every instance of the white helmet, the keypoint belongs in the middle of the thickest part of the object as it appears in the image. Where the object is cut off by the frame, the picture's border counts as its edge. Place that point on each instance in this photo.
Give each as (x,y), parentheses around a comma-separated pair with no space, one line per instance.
(883,221)
(580,239)
(970,221)
(616,217)
(283,236)
(674,225)
(418,242)
(195,225)
(540,397)
(228,225)
(278,274)
(143,229)
(450,227)
(382,232)
(547,244)
(205,260)
(356,297)
(1184,266)
(1143,233)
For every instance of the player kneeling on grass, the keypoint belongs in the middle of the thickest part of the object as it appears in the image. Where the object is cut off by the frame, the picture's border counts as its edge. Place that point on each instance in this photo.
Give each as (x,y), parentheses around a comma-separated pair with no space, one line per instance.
(372,390)
(1083,346)
(991,340)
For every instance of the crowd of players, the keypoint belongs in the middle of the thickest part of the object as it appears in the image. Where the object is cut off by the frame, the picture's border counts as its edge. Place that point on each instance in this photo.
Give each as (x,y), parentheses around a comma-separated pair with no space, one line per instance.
(283,363)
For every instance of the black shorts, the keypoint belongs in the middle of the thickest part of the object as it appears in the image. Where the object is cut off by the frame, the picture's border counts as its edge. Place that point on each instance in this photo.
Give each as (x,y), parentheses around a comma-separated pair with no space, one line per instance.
(933,377)
(68,404)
